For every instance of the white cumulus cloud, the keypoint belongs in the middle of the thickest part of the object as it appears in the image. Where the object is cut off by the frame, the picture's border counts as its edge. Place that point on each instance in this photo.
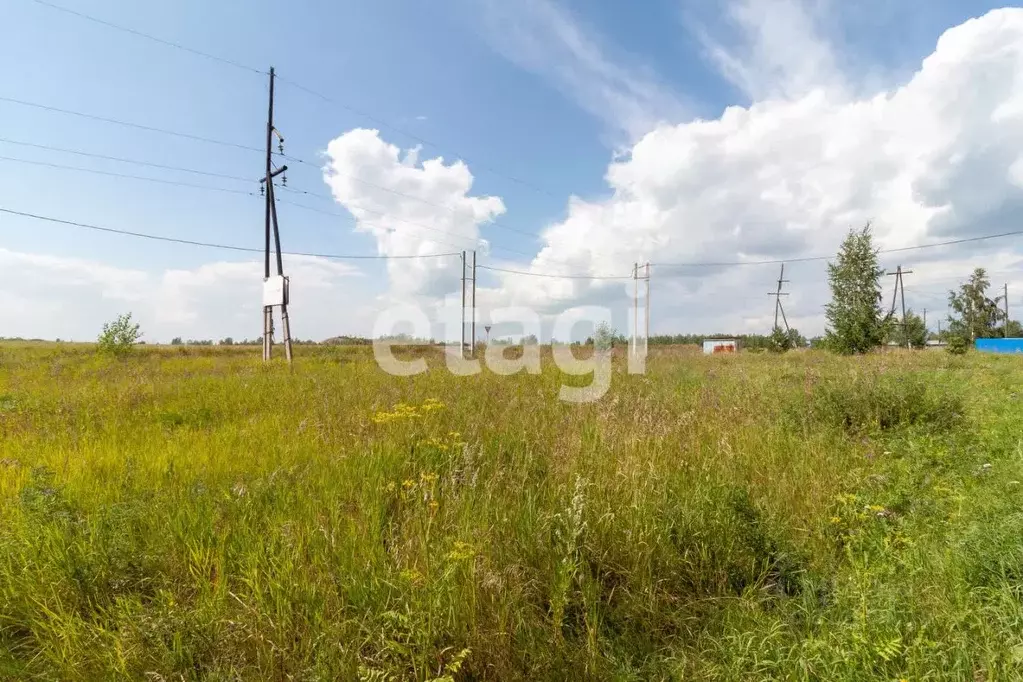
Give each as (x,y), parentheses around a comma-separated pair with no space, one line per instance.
(410,208)
(936,158)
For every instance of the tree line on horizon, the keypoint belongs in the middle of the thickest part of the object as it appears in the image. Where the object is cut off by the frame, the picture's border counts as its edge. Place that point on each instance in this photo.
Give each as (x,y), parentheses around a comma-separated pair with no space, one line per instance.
(857,322)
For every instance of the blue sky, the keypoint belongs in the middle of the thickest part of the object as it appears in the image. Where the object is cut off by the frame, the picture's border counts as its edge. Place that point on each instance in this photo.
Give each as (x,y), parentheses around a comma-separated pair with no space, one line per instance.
(485,82)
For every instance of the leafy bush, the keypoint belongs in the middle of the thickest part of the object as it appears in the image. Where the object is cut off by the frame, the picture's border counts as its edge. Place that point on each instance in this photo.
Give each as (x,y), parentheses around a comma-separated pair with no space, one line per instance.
(781,341)
(605,337)
(956,345)
(120,336)
(883,402)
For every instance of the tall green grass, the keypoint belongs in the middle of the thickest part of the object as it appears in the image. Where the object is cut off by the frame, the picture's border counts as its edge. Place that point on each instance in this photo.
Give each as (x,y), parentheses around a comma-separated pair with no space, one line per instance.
(196,515)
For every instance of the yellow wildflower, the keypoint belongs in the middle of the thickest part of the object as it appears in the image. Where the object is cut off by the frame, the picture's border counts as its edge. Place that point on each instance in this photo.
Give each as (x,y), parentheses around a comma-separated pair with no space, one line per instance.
(461,551)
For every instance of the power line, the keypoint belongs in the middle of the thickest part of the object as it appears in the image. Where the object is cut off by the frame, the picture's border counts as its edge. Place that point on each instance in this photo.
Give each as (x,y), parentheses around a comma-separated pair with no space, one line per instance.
(121,159)
(544,274)
(212,245)
(231,177)
(227,190)
(241,179)
(379,121)
(126,176)
(128,124)
(420,225)
(805,259)
(147,36)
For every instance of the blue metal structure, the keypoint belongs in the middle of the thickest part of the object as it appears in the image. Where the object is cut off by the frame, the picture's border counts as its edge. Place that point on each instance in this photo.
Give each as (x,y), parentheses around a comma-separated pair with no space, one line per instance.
(999,345)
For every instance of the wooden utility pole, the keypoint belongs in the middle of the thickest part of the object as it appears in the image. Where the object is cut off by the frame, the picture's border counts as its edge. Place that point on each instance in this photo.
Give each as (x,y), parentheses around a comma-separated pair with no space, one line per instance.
(646,337)
(778,307)
(472,343)
(461,347)
(268,319)
(635,309)
(274,293)
(900,288)
(1005,299)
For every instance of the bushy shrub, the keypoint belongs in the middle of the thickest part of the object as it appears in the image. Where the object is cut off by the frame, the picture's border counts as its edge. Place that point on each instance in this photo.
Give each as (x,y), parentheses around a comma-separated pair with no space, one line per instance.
(120,336)
(883,402)
(957,345)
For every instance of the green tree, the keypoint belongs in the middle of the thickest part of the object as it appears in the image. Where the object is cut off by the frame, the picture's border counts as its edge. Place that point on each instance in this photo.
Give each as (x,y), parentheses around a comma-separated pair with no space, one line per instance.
(972,314)
(780,341)
(176,341)
(912,332)
(856,324)
(1015,329)
(956,345)
(228,341)
(120,336)
(604,336)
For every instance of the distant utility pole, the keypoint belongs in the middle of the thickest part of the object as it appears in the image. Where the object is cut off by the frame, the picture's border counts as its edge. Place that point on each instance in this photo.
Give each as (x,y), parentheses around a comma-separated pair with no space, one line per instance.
(472,343)
(275,289)
(461,346)
(778,307)
(1005,299)
(646,305)
(900,288)
(635,309)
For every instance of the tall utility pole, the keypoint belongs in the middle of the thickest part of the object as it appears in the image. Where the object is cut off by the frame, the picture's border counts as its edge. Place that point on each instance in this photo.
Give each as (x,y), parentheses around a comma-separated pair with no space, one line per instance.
(1005,299)
(472,343)
(635,309)
(778,307)
(461,347)
(275,291)
(900,288)
(646,305)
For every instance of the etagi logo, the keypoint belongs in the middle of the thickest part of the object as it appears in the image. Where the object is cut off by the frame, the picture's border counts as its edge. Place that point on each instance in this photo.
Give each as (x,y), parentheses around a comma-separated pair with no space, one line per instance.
(406,316)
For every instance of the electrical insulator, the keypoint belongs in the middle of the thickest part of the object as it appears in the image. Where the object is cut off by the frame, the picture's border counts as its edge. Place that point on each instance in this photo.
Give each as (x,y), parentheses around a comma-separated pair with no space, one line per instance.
(260,189)
(284,180)
(280,146)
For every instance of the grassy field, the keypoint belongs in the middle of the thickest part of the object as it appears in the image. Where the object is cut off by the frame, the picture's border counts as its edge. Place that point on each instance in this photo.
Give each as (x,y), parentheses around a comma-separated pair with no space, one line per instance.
(192,514)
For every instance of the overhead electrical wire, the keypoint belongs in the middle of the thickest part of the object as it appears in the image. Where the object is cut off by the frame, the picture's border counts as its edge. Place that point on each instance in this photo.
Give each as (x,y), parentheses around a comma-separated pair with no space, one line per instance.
(294,84)
(227,190)
(212,245)
(140,34)
(220,189)
(121,159)
(128,124)
(950,242)
(127,176)
(403,194)
(226,176)
(551,275)
(805,259)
